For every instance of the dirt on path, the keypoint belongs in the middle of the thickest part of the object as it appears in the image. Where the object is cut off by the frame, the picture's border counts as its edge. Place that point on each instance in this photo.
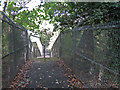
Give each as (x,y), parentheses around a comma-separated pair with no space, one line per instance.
(45,74)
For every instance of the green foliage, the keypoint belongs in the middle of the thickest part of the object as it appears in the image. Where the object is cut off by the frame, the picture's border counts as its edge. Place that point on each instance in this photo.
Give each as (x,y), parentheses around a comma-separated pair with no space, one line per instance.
(26,18)
(69,14)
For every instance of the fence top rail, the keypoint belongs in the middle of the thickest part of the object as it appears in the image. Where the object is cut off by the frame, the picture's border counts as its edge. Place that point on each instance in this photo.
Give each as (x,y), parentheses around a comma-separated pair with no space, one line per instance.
(113,24)
(106,26)
(100,65)
(10,22)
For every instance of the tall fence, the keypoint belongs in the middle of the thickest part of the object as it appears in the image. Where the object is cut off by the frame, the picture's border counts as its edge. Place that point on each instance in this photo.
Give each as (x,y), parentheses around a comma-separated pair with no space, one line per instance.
(16,49)
(92,52)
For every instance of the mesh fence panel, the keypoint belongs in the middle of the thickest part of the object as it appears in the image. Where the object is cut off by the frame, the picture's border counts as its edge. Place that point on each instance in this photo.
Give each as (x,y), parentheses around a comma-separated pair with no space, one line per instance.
(16,49)
(96,58)
(66,48)
(56,50)
(92,52)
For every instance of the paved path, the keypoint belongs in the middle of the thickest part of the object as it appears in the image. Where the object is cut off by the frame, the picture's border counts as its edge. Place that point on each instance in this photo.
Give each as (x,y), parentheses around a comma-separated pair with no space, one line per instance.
(47,75)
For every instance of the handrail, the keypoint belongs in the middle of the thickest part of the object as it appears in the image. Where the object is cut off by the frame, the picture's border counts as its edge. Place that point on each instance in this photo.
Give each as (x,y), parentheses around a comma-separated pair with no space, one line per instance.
(14,51)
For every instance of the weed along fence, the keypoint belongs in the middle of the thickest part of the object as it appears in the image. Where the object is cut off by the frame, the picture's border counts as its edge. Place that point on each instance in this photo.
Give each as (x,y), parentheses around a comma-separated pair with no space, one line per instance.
(16,49)
(92,52)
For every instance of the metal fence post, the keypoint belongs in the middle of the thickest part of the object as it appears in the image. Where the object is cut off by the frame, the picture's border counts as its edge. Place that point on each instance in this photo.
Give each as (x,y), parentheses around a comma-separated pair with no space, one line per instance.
(1,25)
(44,51)
(60,48)
(74,49)
(14,48)
(27,47)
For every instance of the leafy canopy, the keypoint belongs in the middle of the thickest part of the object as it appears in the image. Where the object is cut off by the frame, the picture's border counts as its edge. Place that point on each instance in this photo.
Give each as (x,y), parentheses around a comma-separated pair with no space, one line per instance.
(69,14)
(66,15)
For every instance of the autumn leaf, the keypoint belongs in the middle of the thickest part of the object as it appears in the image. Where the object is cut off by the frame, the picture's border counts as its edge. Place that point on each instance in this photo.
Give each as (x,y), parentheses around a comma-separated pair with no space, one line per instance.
(40,78)
(57,82)
(72,84)
(73,79)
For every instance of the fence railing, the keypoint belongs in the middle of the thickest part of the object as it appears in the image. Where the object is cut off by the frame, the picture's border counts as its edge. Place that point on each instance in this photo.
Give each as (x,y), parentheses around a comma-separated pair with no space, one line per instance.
(92,52)
(16,49)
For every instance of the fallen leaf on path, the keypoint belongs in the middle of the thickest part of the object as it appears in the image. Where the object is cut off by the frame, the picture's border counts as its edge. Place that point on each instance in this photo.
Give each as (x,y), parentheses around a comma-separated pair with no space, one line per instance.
(57,82)
(72,84)
(73,79)
(21,79)
(49,76)
(40,78)
(39,68)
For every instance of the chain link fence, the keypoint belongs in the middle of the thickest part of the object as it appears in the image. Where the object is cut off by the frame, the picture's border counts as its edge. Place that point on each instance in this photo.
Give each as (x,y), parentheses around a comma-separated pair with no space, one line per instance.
(92,52)
(16,49)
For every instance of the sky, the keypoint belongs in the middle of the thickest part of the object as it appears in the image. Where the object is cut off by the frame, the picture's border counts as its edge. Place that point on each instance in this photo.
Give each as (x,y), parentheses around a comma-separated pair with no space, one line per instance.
(34,4)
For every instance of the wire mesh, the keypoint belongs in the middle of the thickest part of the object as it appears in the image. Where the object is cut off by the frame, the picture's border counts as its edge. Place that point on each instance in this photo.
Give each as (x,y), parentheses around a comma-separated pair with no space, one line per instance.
(92,52)
(16,49)
(56,51)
